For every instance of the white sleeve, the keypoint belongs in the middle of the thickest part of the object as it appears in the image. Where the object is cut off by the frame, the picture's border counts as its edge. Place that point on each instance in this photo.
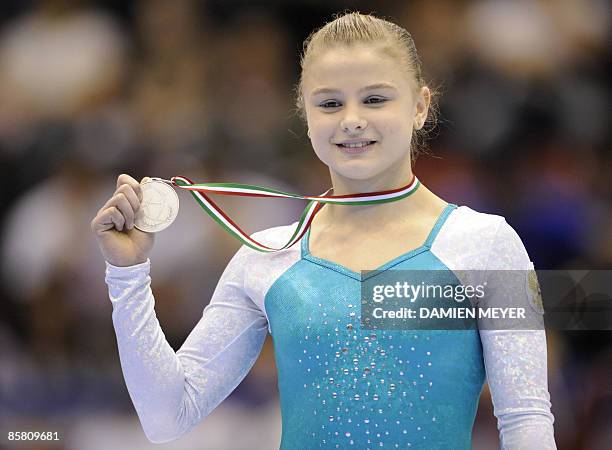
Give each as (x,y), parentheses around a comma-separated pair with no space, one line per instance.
(172,392)
(515,360)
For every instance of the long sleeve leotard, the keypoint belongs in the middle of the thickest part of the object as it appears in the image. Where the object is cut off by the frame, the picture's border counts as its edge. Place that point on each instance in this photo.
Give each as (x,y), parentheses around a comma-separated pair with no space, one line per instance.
(341,385)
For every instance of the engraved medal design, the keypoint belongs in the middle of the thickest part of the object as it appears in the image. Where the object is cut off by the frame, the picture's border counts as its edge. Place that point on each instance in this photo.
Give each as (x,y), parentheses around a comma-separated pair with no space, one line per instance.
(159,206)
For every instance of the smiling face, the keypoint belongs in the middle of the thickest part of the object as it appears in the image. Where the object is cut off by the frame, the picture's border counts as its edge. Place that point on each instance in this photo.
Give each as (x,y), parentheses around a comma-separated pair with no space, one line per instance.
(361,109)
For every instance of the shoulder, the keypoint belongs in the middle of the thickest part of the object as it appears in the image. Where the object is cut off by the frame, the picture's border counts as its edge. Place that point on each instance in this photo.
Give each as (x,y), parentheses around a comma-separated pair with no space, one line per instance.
(469,229)
(276,236)
(464,220)
(262,269)
(473,240)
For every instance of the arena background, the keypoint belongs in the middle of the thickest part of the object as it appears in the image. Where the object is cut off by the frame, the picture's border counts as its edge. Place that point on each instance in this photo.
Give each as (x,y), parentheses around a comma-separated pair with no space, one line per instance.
(89,90)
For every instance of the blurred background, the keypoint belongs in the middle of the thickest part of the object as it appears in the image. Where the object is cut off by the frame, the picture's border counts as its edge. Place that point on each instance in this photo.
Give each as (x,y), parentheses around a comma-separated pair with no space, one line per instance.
(89,90)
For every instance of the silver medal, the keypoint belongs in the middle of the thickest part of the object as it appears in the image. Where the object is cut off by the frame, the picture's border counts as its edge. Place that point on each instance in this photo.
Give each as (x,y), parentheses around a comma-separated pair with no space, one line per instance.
(158,208)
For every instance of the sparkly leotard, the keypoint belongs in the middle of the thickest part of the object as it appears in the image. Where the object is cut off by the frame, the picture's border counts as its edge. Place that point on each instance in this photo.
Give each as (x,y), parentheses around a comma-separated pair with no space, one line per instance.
(340,386)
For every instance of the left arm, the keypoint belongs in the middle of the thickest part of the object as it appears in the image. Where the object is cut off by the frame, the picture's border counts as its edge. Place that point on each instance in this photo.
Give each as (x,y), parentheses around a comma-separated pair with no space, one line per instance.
(515,360)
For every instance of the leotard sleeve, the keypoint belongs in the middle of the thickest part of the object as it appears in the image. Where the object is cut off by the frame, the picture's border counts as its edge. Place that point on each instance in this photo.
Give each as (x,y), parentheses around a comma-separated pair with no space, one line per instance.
(515,360)
(172,392)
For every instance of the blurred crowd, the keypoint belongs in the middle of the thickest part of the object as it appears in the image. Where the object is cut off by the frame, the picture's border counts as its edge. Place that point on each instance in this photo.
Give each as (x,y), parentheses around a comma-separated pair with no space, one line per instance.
(205,89)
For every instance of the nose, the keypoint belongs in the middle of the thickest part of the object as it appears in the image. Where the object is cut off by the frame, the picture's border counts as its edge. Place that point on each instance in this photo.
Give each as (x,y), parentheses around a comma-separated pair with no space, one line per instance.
(353,122)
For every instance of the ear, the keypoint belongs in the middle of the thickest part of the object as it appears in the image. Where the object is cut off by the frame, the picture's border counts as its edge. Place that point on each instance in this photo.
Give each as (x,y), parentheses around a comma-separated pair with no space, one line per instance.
(423,100)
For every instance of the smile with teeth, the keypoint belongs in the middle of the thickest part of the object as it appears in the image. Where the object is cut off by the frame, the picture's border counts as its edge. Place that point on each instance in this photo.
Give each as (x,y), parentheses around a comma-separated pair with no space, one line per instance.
(357,144)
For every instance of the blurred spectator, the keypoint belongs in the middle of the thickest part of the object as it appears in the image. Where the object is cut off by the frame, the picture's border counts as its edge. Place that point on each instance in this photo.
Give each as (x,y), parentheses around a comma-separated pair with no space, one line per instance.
(59,63)
(56,61)
(171,85)
(253,100)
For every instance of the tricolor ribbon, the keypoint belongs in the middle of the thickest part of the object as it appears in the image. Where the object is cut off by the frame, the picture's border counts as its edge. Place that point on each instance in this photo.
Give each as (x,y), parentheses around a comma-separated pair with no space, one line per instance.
(199,191)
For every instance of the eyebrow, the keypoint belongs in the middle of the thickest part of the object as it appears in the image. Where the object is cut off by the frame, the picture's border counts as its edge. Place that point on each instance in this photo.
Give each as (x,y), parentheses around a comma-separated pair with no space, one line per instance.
(366,88)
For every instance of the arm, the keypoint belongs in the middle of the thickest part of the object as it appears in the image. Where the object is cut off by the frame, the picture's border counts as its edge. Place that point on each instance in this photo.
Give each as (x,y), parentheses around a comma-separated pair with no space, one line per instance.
(172,392)
(515,360)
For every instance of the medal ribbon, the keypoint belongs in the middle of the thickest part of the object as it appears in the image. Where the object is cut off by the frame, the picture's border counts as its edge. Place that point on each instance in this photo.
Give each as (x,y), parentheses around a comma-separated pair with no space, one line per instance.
(199,191)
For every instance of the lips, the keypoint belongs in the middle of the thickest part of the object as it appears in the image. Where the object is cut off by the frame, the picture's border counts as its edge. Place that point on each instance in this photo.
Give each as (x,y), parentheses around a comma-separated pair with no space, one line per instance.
(356,146)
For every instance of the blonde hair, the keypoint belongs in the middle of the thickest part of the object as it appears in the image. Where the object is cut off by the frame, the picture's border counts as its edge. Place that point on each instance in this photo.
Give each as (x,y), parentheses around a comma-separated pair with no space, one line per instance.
(354,27)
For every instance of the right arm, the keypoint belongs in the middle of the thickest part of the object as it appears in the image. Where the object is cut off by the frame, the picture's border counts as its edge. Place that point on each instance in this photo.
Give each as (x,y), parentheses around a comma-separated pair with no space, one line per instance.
(172,392)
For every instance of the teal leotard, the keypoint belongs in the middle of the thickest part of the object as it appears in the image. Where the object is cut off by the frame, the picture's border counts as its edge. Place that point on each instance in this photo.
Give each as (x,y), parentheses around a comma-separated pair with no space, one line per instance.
(340,385)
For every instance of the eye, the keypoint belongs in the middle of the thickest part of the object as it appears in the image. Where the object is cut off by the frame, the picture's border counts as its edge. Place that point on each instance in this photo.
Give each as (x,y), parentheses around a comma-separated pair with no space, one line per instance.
(330,104)
(375,99)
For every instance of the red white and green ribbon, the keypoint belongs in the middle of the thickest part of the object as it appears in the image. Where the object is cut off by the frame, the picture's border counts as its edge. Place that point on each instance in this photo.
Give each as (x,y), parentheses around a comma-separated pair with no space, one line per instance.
(199,191)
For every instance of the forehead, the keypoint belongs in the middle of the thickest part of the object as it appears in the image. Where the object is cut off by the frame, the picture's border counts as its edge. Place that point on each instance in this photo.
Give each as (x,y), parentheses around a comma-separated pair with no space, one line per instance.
(355,66)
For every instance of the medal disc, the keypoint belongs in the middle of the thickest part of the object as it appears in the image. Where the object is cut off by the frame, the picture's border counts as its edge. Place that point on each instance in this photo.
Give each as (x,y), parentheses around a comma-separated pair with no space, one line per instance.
(158,208)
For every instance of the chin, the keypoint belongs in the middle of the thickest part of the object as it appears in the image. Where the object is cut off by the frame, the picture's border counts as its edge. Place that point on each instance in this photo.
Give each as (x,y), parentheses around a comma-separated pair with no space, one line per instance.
(357,170)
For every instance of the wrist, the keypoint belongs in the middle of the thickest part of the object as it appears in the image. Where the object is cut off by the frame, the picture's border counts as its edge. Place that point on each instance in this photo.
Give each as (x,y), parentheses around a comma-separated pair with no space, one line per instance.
(119,264)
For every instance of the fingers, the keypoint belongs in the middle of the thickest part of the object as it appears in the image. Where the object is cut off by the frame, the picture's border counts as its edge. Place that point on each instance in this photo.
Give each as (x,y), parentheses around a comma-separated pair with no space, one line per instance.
(119,211)
(131,196)
(121,202)
(130,181)
(107,219)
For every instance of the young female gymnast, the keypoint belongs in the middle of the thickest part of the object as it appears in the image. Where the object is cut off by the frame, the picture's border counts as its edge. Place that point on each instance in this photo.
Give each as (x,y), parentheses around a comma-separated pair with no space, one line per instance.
(341,385)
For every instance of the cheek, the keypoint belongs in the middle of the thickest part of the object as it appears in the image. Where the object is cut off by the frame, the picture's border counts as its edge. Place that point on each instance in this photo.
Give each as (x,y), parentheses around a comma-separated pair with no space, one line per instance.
(321,132)
(321,149)
(322,128)
(395,125)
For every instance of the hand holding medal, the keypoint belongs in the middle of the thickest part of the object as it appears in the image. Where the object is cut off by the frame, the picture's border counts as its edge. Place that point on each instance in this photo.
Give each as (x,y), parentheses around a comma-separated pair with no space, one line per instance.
(120,242)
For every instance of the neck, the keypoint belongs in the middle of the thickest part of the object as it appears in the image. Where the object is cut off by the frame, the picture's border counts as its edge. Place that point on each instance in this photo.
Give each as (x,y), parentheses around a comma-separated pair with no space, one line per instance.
(345,186)
(392,179)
